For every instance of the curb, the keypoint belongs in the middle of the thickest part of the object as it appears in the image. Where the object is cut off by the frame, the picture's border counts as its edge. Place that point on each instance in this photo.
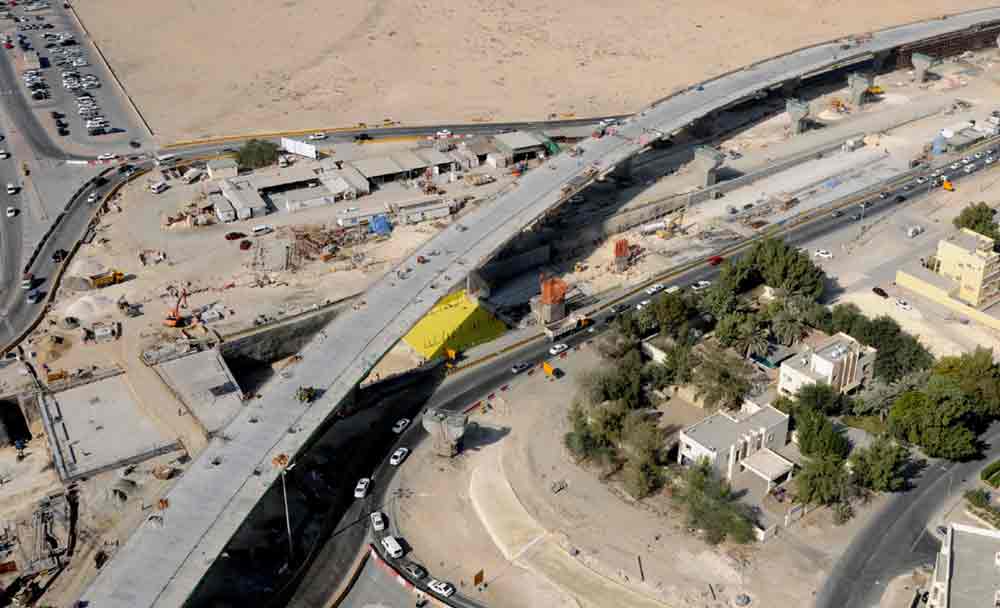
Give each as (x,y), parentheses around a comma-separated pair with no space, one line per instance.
(345,588)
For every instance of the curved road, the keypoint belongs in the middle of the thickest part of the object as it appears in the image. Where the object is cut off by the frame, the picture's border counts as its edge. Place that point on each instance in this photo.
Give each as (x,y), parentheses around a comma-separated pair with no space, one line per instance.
(160,567)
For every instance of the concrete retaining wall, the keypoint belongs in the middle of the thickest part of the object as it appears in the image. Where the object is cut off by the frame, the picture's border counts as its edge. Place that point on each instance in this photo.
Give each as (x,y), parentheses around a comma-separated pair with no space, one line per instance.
(282,340)
(936,294)
(504,269)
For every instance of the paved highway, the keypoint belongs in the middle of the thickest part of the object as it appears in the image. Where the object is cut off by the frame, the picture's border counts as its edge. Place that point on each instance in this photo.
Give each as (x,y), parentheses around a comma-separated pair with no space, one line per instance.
(161,566)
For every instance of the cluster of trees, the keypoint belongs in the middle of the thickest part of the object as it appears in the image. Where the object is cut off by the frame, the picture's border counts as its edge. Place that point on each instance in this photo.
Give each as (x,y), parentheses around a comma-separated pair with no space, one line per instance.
(712,507)
(979,218)
(833,475)
(944,416)
(257,153)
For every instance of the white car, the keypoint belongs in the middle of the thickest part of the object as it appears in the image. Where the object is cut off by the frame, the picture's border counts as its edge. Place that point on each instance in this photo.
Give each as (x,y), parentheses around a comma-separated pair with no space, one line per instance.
(443,134)
(11,188)
(558,348)
(441,588)
(956,165)
(317,137)
(11,212)
(903,304)
(701,285)
(400,425)
(823,253)
(107,157)
(655,288)
(978,154)
(967,160)
(4,154)
(92,198)
(970,168)
(361,490)
(989,160)
(643,304)
(399,456)
(921,180)
(378,521)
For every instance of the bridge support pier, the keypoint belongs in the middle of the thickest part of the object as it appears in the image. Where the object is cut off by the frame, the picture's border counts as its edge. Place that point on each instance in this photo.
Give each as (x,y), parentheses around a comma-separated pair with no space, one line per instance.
(798,111)
(790,88)
(879,60)
(859,83)
(708,160)
(921,63)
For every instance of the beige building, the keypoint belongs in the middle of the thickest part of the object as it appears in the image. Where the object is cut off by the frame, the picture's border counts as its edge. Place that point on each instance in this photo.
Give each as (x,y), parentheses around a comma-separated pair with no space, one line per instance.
(967,570)
(841,361)
(967,259)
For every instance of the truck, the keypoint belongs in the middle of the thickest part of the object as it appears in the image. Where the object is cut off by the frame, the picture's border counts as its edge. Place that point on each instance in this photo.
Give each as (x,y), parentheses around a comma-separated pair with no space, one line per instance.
(104,279)
(191,175)
(570,326)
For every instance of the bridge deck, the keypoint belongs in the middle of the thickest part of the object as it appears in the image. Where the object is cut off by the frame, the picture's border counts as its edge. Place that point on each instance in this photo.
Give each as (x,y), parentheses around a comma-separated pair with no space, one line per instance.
(161,565)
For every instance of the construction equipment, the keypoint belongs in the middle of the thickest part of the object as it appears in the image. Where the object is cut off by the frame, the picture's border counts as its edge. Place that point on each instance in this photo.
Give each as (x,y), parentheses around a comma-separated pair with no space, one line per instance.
(111,277)
(129,310)
(306,394)
(947,185)
(174,318)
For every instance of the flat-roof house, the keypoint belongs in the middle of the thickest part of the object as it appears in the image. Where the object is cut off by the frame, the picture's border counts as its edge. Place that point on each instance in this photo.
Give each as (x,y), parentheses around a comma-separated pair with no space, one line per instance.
(736,441)
(841,361)
(243,195)
(967,569)
(438,161)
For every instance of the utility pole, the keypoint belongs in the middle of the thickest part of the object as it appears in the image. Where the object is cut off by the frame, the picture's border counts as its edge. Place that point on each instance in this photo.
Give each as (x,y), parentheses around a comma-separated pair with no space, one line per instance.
(281,460)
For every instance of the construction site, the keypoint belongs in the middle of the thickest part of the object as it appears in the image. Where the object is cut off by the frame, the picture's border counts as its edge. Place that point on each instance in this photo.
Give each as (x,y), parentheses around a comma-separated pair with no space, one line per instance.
(173,314)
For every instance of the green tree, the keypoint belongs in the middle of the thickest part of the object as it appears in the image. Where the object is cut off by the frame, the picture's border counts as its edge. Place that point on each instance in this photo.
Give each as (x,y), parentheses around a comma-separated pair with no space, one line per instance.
(979,218)
(628,325)
(819,397)
(681,360)
(642,477)
(712,506)
(822,481)
(788,328)
(818,437)
(934,423)
(978,379)
(878,398)
(781,266)
(721,379)
(880,467)
(608,422)
(257,153)
(753,340)
(719,300)
(730,329)
(671,313)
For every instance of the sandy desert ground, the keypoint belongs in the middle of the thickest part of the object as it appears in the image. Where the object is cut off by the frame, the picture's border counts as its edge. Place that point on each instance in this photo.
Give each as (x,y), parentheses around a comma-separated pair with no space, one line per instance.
(235,66)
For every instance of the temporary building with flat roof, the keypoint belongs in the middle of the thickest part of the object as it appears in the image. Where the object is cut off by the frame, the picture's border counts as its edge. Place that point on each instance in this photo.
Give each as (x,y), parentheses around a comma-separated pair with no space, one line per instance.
(377,169)
(517,143)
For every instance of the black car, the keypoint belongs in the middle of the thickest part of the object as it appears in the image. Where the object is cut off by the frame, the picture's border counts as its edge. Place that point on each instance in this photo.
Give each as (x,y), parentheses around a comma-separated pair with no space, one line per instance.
(362,137)
(59,255)
(517,368)
(415,570)
(900,198)
(618,309)
(880,292)
(133,143)
(63,132)
(126,168)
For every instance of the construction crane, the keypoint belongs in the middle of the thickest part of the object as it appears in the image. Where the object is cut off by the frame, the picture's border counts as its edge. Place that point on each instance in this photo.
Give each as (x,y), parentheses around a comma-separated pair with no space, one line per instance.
(174,318)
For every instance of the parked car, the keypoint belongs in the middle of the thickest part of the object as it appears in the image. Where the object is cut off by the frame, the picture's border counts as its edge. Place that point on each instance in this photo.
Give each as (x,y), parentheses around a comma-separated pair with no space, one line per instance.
(378,521)
(399,456)
(415,570)
(11,212)
(643,304)
(880,292)
(823,253)
(655,288)
(715,260)
(361,490)
(317,137)
(903,304)
(442,588)
(235,236)
(558,349)
(700,286)
(400,425)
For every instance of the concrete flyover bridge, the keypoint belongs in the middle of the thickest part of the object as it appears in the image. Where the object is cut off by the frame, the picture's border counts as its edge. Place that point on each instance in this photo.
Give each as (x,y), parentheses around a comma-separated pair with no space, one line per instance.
(164,560)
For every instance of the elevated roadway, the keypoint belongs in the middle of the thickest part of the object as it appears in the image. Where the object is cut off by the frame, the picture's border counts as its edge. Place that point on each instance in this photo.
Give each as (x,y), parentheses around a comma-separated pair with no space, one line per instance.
(165,558)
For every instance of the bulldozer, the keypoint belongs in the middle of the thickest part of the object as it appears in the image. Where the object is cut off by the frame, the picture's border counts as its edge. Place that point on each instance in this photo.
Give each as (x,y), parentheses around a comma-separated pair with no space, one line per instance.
(306,394)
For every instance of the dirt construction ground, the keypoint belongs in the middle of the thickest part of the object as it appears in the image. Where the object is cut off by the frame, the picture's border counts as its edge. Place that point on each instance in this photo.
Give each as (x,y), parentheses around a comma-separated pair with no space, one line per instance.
(234,66)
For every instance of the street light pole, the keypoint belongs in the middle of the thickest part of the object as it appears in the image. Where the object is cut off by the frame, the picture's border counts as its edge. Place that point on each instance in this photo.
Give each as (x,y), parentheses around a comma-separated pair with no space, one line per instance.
(288,519)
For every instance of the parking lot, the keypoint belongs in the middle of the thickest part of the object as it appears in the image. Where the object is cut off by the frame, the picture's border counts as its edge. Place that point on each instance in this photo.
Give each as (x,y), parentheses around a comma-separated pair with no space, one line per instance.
(64,78)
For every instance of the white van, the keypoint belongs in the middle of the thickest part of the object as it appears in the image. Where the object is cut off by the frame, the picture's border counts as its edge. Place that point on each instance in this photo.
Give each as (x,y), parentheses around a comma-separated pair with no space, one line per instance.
(391,546)
(282,161)
(158,187)
(166,160)
(261,230)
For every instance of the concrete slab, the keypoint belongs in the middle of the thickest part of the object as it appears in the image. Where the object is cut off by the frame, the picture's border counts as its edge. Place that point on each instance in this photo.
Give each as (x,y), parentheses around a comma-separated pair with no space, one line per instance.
(205,384)
(97,427)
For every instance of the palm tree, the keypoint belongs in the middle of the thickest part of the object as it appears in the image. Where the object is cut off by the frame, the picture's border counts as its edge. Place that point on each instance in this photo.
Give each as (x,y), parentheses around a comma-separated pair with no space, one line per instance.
(753,340)
(721,379)
(788,328)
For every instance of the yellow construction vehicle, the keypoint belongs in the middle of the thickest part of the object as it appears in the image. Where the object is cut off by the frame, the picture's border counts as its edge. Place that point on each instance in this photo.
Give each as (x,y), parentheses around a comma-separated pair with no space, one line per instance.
(111,277)
(947,185)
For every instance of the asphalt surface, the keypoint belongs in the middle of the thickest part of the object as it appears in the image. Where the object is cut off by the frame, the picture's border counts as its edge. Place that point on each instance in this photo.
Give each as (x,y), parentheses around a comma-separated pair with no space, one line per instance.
(874,554)
(898,538)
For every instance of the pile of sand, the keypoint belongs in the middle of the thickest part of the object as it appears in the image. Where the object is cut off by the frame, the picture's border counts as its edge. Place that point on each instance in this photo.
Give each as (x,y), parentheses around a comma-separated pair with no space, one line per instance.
(91,308)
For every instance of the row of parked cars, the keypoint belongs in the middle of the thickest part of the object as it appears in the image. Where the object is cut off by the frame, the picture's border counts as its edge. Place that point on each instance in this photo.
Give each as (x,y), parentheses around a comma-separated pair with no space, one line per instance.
(390,544)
